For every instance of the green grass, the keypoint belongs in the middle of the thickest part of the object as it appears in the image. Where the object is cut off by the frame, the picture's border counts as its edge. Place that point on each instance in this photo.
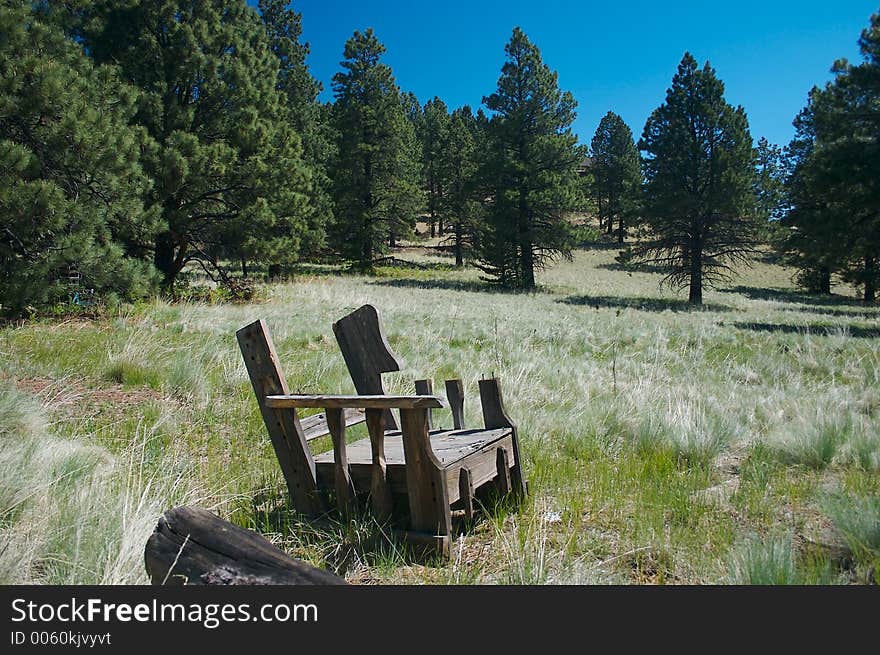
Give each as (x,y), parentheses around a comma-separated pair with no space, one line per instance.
(662,445)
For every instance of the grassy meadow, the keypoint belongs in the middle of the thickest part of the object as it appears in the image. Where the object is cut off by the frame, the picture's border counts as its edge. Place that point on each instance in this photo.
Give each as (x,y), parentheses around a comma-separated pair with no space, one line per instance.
(735,444)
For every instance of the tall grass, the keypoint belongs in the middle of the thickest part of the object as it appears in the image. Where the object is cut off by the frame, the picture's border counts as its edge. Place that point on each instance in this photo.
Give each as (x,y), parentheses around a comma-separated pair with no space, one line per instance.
(662,438)
(857,520)
(70,512)
(769,561)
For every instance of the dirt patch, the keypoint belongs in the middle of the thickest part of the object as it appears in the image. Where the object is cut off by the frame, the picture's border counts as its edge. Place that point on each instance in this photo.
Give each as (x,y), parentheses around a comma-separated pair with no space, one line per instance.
(72,395)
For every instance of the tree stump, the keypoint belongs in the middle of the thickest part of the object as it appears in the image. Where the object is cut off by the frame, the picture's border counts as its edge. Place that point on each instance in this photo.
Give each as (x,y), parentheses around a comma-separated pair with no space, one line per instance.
(190,545)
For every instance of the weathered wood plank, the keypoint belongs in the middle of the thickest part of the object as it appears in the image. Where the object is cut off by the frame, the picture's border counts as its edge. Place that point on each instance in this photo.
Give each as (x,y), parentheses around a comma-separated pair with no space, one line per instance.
(366,352)
(426,388)
(285,432)
(466,492)
(502,464)
(192,546)
(482,464)
(342,478)
(315,426)
(448,446)
(426,485)
(455,397)
(380,492)
(287,401)
(495,416)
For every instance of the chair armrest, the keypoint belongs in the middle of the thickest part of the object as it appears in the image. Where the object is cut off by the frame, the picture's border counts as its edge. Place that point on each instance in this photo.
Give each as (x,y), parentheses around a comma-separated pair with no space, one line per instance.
(359,402)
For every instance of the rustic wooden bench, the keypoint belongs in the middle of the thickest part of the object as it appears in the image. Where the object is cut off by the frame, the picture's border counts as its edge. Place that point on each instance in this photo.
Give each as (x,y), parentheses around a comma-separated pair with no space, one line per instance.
(414,476)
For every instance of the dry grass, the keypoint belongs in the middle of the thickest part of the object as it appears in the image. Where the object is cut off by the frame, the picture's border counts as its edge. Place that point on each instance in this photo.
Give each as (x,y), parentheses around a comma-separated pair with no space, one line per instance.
(660,443)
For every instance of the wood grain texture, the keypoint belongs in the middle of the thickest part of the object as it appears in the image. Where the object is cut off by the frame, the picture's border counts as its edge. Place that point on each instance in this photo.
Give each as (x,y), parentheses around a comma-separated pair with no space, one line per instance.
(345,496)
(366,352)
(466,493)
(480,457)
(285,432)
(287,401)
(315,426)
(426,388)
(192,546)
(502,465)
(495,416)
(426,485)
(455,397)
(380,491)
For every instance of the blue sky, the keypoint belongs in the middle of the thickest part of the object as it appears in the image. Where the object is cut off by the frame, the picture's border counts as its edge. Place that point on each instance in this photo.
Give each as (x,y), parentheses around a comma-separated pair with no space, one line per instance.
(618,55)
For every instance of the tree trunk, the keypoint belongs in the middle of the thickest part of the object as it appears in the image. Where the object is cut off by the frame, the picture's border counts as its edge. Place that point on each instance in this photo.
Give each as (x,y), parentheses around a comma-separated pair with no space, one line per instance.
(392,241)
(459,255)
(695,296)
(825,280)
(527,263)
(870,279)
(526,254)
(192,546)
(244,269)
(621,232)
(367,246)
(164,259)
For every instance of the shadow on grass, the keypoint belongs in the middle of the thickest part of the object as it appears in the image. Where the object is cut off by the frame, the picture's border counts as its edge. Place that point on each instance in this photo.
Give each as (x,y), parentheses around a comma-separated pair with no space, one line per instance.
(351,269)
(865,313)
(816,330)
(600,245)
(635,268)
(643,304)
(343,543)
(475,286)
(791,296)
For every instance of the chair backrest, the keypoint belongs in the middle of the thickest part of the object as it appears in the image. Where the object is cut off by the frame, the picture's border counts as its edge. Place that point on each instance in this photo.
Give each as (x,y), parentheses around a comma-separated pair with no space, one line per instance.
(366,352)
(285,431)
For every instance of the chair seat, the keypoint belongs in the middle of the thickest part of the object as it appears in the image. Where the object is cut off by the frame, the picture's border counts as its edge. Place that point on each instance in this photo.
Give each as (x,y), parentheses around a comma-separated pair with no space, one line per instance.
(454,449)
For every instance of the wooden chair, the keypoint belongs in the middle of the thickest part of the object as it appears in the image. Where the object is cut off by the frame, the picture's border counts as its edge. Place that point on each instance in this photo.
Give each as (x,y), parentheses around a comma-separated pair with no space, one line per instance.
(413,476)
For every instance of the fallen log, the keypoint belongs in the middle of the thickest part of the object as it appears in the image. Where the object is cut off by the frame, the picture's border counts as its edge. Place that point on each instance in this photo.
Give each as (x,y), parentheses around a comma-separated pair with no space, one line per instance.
(190,545)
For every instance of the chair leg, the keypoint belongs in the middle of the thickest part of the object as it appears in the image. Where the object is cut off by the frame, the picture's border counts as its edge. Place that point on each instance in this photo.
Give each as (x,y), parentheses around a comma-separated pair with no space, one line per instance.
(345,496)
(425,480)
(502,463)
(466,492)
(495,416)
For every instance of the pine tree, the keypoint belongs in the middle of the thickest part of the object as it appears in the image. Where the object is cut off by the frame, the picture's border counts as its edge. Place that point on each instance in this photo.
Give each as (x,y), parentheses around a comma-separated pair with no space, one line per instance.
(376,173)
(699,197)
(530,169)
(617,179)
(309,118)
(70,182)
(434,136)
(835,187)
(769,179)
(228,173)
(461,207)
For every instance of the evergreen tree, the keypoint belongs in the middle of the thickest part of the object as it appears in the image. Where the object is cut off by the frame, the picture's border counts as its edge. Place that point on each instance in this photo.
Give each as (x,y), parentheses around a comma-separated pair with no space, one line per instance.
(376,173)
(615,167)
(309,118)
(70,183)
(461,207)
(434,136)
(699,197)
(835,187)
(530,168)
(807,239)
(228,174)
(769,179)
